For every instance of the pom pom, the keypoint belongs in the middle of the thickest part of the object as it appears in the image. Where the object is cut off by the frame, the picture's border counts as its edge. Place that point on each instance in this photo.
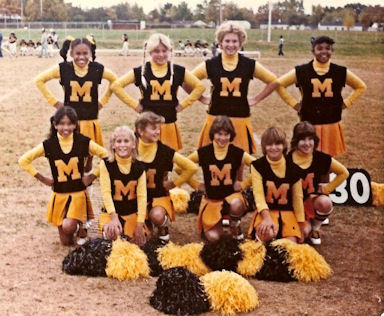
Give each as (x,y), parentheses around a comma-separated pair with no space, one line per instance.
(194,202)
(223,254)
(187,256)
(180,199)
(179,291)
(89,259)
(276,267)
(229,293)
(151,248)
(377,193)
(250,199)
(126,261)
(304,261)
(253,257)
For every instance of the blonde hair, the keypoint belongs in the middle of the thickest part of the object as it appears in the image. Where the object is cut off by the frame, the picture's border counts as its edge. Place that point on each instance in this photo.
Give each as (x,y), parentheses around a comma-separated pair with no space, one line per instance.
(149,46)
(122,130)
(230,27)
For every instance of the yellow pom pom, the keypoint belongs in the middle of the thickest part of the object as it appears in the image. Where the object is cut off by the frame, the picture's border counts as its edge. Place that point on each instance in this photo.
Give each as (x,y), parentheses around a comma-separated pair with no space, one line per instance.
(377,193)
(180,199)
(229,293)
(90,38)
(187,256)
(304,261)
(70,38)
(126,261)
(253,257)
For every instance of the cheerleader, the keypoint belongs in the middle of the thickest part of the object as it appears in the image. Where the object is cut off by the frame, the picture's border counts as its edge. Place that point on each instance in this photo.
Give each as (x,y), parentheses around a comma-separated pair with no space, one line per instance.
(278,192)
(23,48)
(123,187)
(220,162)
(230,74)
(65,149)
(31,48)
(12,45)
(125,49)
(314,165)
(320,83)
(80,79)
(158,160)
(159,80)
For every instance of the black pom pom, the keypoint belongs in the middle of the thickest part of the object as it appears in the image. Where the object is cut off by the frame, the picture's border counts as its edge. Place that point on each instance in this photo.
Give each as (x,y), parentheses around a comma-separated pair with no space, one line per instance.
(194,202)
(89,259)
(179,291)
(275,267)
(250,199)
(223,254)
(150,248)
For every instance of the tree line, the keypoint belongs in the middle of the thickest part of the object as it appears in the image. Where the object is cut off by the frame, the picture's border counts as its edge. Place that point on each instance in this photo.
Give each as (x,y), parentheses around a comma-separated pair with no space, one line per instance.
(289,12)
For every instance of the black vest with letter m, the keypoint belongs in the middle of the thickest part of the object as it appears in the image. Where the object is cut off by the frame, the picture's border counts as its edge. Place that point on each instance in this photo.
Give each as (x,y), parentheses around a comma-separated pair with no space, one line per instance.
(67,169)
(157,170)
(160,96)
(230,88)
(321,163)
(322,101)
(81,93)
(219,175)
(124,186)
(277,191)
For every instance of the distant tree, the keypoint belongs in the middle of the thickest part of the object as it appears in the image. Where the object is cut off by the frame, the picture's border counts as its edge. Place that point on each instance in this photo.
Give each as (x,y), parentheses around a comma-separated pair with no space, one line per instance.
(372,14)
(166,12)
(137,13)
(199,12)
(11,6)
(262,14)
(154,16)
(212,12)
(292,12)
(232,12)
(53,10)
(123,11)
(181,12)
(317,14)
(357,8)
(96,14)
(333,15)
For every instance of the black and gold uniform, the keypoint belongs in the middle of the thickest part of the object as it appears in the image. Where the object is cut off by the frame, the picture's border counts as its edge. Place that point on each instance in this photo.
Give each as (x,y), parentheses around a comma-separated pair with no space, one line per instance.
(66,155)
(277,188)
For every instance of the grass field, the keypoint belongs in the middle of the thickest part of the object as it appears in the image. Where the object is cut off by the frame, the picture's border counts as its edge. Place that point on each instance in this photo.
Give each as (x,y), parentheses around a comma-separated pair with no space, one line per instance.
(30,256)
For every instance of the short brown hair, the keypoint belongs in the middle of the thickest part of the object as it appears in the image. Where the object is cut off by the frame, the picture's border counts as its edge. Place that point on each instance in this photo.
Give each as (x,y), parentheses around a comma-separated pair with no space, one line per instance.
(222,123)
(273,135)
(147,118)
(302,130)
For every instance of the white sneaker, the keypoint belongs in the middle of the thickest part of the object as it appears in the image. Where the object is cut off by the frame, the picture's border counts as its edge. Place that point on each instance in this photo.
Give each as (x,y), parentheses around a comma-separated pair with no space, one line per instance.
(325,222)
(314,237)
(81,241)
(225,222)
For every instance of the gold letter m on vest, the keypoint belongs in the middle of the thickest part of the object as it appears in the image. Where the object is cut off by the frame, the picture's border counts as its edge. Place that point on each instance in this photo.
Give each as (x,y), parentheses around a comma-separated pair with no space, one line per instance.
(274,194)
(121,189)
(64,170)
(164,89)
(325,86)
(83,91)
(308,183)
(233,87)
(217,174)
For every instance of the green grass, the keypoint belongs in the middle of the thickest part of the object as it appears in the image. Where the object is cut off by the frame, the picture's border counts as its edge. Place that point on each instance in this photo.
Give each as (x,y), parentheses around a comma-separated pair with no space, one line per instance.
(296,42)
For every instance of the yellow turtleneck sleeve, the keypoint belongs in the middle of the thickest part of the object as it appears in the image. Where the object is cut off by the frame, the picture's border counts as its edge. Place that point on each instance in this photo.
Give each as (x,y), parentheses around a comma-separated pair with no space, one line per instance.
(357,85)
(54,73)
(341,174)
(25,160)
(118,88)
(278,168)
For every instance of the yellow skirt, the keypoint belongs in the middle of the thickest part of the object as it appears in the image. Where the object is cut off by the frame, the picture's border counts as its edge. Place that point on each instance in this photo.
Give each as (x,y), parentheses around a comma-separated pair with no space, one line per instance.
(76,205)
(130,222)
(244,133)
(332,140)
(210,211)
(290,227)
(91,129)
(170,136)
(166,203)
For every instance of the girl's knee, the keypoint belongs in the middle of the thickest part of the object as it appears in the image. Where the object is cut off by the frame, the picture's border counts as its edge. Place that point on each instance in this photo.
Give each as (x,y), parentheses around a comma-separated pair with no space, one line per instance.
(157,215)
(69,225)
(212,235)
(323,204)
(236,208)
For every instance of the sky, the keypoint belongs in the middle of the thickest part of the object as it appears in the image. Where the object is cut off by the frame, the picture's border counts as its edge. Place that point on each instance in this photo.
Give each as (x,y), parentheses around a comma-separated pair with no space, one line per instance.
(149,5)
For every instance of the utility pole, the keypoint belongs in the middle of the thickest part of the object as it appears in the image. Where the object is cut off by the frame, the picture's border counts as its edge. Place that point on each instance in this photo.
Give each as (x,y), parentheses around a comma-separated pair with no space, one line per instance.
(22,9)
(41,8)
(270,6)
(221,13)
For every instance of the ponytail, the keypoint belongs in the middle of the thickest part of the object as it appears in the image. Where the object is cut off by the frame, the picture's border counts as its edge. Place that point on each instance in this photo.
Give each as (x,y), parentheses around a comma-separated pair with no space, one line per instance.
(64,49)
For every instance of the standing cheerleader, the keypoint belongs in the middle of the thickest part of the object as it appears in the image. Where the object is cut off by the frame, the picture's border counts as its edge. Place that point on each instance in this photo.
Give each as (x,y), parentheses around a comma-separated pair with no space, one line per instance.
(320,83)
(66,149)
(123,186)
(158,160)
(80,79)
(220,162)
(230,74)
(278,192)
(125,49)
(159,80)
(314,165)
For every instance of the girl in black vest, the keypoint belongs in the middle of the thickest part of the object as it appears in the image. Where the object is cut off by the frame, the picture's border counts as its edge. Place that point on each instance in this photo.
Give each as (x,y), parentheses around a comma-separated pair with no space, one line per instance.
(158,160)
(315,166)
(123,186)
(278,192)
(220,162)
(66,149)
(158,81)
(80,79)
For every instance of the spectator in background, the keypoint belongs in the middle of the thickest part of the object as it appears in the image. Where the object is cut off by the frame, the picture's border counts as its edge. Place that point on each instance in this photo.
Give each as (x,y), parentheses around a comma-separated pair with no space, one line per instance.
(44,44)
(125,49)
(281,43)
(1,39)
(54,38)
